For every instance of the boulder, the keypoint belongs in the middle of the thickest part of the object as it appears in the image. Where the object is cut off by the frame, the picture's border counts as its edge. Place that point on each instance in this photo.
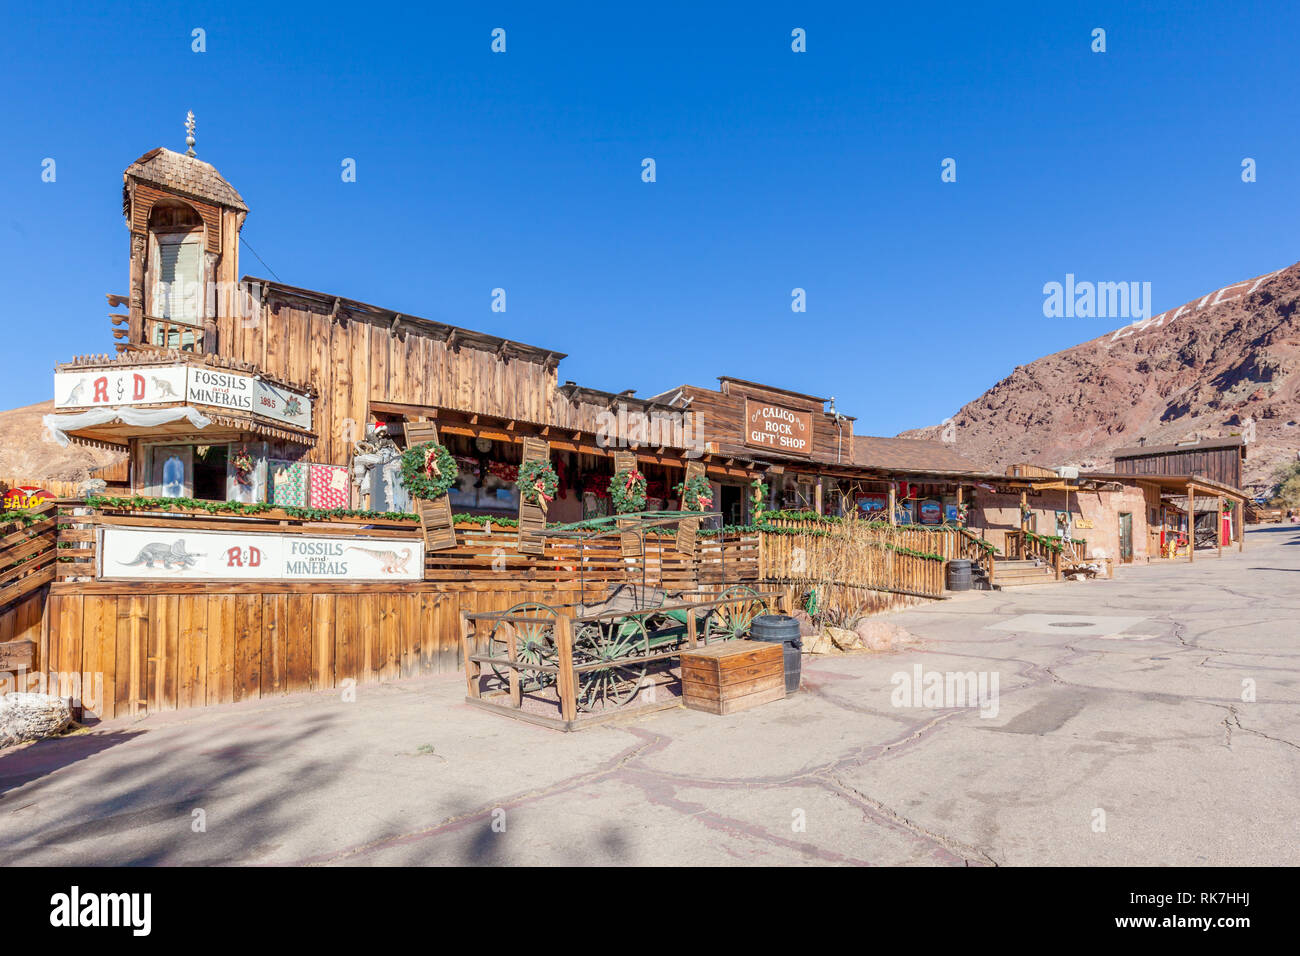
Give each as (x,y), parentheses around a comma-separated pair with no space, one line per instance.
(27,717)
(844,639)
(882,635)
(818,643)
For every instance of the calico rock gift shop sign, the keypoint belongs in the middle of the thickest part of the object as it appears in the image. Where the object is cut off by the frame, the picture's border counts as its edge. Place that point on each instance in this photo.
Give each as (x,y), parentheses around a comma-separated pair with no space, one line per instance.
(776,428)
(174,554)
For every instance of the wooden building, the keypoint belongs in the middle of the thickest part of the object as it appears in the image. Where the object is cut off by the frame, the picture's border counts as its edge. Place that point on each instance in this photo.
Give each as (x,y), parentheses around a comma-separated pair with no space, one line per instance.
(1219,459)
(267,543)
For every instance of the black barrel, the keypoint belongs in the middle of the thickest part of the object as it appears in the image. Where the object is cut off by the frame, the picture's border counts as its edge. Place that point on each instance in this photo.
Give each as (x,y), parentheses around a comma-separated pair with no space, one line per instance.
(779,628)
(959,576)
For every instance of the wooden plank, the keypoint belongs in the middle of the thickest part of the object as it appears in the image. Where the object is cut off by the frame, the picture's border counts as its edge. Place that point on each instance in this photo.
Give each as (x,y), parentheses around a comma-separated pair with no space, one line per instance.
(99,654)
(248,633)
(368,660)
(566,684)
(347,652)
(738,704)
(298,642)
(275,645)
(322,640)
(164,651)
(219,682)
(704,691)
(693,674)
(192,651)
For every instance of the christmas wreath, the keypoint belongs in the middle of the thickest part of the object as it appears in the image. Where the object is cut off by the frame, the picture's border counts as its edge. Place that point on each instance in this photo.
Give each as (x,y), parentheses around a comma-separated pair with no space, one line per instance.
(627,489)
(428,470)
(538,482)
(697,493)
(243,464)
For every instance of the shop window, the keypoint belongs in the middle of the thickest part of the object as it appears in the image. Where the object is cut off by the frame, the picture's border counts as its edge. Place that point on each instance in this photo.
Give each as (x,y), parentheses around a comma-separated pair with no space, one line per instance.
(210,472)
(171,471)
(220,472)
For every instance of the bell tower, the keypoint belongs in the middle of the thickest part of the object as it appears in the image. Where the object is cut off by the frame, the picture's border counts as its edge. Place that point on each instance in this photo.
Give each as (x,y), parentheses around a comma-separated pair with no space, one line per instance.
(184,220)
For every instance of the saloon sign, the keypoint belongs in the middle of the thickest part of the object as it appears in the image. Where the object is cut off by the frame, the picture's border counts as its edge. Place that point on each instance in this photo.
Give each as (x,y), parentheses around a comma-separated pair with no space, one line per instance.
(154,385)
(173,554)
(24,498)
(776,428)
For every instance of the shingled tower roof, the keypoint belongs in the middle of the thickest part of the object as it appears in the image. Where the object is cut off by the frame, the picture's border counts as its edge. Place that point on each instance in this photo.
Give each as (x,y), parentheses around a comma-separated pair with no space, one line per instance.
(185,175)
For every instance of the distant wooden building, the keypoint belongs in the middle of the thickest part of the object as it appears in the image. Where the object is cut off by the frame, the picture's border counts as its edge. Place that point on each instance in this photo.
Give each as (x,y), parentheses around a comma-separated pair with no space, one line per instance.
(1218,459)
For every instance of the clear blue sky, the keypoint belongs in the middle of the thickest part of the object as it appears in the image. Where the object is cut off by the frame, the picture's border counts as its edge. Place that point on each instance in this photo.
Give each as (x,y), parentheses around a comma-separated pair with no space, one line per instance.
(775,170)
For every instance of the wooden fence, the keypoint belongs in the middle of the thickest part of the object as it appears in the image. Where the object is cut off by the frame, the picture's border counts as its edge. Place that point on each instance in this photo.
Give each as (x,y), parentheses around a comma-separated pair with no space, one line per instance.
(28,551)
(127,647)
(858,557)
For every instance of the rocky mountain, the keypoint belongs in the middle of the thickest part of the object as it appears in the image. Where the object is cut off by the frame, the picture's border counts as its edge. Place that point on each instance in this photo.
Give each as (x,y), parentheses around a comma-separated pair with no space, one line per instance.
(1227,363)
(25,456)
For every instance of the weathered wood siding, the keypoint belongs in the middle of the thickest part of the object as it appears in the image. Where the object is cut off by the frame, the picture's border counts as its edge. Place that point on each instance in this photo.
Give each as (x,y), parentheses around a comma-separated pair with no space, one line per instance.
(352,361)
(1217,464)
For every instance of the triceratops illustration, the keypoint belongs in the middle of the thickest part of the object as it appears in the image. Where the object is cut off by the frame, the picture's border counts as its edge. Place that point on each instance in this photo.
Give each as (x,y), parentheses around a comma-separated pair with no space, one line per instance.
(171,557)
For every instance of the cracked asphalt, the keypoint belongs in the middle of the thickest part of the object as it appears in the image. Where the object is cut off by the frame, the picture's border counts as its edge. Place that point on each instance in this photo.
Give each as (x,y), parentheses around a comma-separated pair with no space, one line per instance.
(1173,738)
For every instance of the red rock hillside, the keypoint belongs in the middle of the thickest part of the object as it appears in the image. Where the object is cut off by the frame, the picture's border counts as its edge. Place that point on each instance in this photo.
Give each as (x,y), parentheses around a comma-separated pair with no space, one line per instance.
(1205,369)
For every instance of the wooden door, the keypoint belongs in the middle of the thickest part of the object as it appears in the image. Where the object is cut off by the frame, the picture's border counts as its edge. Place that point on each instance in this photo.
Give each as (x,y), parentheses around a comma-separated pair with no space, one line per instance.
(1125,537)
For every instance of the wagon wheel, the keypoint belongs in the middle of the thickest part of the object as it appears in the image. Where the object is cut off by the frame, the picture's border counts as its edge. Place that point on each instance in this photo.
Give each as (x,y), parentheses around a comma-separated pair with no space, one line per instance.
(732,620)
(610,686)
(534,643)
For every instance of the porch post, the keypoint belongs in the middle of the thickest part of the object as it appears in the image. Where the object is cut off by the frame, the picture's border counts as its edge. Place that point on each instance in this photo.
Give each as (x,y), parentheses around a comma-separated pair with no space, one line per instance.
(1218,528)
(1191,523)
(893,503)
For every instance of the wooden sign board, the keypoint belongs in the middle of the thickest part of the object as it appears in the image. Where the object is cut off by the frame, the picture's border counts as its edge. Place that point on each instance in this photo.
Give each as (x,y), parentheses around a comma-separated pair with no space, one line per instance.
(435,516)
(174,554)
(629,540)
(532,517)
(16,655)
(688,530)
(777,428)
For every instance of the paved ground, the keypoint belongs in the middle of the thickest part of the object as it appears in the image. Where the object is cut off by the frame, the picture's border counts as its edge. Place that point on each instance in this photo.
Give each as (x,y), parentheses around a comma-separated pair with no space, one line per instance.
(1135,722)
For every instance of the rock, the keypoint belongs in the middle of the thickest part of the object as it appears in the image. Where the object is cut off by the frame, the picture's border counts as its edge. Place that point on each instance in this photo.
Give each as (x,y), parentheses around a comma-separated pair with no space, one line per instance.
(882,635)
(844,639)
(27,717)
(818,643)
(806,626)
(93,486)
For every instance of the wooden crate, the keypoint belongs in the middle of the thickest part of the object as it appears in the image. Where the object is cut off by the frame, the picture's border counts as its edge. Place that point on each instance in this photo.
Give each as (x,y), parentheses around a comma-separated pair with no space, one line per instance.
(735,675)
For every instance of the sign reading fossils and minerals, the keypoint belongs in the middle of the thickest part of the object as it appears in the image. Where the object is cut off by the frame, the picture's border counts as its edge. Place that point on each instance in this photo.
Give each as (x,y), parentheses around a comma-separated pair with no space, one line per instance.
(176,554)
(191,384)
(777,428)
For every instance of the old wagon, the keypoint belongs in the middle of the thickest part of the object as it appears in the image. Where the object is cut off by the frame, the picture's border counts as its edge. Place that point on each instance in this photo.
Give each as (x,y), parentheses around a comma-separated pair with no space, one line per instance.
(594,656)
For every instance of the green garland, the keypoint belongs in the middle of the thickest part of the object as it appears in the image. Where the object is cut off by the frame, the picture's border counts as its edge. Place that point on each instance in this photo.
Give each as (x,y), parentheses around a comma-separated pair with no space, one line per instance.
(25,517)
(757,499)
(533,472)
(1050,542)
(628,499)
(141,503)
(428,470)
(696,492)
